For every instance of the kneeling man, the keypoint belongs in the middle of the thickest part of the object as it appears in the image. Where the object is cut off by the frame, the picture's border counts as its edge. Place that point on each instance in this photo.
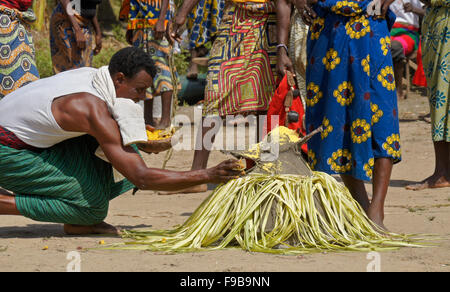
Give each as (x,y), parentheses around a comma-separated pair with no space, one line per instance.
(51,129)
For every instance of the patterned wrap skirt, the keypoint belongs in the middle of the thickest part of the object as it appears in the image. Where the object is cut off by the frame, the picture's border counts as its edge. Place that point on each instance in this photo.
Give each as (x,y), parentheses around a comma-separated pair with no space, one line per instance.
(63,45)
(160,52)
(436,63)
(203,22)
(17,54)
(241,68)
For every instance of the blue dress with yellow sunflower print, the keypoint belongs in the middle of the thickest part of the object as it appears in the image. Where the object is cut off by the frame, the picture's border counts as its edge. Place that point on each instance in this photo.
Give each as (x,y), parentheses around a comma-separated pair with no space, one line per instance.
(350,90)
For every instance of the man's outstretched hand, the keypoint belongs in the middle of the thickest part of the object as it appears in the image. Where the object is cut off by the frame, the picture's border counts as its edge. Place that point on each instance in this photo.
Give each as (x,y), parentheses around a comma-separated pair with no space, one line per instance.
(225,171)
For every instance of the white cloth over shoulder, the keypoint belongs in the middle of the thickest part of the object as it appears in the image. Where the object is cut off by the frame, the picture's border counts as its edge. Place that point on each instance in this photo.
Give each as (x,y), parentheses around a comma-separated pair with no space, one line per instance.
(128,115)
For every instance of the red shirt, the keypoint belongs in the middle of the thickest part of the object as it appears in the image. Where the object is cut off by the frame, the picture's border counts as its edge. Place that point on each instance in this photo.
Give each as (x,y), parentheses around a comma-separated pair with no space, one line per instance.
(21,5)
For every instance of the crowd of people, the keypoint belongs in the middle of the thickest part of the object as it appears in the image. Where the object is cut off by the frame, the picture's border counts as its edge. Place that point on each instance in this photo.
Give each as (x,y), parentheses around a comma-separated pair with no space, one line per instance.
(348,58)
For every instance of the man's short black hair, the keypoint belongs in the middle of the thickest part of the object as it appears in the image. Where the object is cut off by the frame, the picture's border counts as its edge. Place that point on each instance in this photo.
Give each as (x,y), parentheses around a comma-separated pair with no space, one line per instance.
(130,61)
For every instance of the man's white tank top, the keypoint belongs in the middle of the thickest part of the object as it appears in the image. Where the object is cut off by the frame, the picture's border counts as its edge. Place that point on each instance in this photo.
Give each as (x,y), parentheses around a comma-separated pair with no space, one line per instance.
(27,111)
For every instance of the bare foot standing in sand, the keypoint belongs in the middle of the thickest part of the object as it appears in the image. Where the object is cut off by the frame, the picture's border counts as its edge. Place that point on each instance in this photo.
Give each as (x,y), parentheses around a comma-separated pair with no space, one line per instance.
(441,175)
(436,50)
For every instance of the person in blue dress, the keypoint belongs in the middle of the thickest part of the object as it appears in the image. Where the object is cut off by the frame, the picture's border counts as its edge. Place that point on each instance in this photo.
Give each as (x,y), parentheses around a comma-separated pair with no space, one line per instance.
(351,93)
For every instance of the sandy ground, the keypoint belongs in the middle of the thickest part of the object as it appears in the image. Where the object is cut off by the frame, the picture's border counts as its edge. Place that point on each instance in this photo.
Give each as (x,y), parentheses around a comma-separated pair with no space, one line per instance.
(23,241)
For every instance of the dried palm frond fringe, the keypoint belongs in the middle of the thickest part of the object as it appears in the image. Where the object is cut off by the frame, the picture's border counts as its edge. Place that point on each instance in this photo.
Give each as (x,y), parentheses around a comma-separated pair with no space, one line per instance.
(284,214)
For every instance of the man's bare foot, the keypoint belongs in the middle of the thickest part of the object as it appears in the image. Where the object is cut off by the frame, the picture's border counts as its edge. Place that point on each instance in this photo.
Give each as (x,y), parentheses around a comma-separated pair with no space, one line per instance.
(434,181)
(101,228)
(195,189)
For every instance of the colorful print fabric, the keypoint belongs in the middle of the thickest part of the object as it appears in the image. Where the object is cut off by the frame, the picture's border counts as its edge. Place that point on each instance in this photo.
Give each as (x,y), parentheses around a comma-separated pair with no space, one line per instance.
(407,35)
(350,90)
(17,54)
(242,61)
(63,45)
(436,63)
(203,22)
(159,50)
(145,13)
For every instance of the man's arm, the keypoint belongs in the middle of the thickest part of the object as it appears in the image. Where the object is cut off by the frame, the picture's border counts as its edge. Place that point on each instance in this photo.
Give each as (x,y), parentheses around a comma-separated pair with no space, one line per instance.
(83,112)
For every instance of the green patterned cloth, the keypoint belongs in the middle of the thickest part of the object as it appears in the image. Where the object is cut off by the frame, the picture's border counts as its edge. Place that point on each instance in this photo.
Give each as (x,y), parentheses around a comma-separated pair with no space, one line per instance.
(66,183)
(436,63)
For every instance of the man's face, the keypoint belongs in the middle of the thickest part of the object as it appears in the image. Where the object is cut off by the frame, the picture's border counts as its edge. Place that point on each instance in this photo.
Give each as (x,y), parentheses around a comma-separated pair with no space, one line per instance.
(133,88)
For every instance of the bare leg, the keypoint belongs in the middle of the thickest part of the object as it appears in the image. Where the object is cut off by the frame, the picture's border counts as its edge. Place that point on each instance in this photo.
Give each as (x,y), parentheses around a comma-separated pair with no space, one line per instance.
(8,207)
(166,105)
(148,112)
(381,178)
(374,208)
(201,156)
(399,68)
(193,68)
(358,190)
(441,175)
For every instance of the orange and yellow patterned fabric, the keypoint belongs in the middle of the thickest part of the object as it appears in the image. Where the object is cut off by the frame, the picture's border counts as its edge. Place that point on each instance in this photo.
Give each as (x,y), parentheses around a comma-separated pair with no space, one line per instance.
(143,13)
(17,53)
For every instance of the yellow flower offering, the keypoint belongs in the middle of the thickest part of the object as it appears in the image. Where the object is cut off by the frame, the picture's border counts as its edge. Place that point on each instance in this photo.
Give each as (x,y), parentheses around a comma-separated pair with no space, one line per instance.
(160,134)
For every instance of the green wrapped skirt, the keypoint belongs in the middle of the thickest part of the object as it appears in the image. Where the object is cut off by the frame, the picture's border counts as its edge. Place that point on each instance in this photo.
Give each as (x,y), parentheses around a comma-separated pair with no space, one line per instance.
(66,183)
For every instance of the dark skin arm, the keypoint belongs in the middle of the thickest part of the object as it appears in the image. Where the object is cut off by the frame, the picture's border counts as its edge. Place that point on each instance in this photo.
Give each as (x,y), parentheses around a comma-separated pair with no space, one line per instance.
(160,28)
(82,112)
(98,35)
(283,24)
(414,9)
(385,6)
(180,18)
(79,36)
(284,9)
